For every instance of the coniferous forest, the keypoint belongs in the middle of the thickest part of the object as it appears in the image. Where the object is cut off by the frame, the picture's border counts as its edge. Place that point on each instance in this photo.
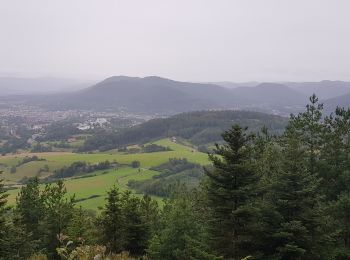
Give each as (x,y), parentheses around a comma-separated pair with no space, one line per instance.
(264,197)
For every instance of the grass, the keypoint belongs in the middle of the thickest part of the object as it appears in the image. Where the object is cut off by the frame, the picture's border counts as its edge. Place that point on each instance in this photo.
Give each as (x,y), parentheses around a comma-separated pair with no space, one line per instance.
(56,160)
(98,185)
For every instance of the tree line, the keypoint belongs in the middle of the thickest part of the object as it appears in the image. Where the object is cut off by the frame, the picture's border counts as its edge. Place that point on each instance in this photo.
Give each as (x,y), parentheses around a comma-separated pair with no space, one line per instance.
(200,128)
(264,197)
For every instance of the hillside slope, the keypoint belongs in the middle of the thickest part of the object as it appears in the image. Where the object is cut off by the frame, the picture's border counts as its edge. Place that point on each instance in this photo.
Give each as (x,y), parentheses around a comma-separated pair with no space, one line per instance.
(199,128)
(324,89)
(341,101)
(164,96)
(269,95)
(150,94)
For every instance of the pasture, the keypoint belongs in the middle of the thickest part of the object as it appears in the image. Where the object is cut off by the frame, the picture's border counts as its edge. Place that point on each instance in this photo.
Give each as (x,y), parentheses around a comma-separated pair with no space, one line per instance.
(90,190)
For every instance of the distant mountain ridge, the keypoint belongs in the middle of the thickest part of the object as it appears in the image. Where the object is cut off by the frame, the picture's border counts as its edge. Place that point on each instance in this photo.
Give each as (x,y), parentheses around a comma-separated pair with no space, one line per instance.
(164,96)
(324,89)
(161,96)
(149,94)
(270,94)
(340,101)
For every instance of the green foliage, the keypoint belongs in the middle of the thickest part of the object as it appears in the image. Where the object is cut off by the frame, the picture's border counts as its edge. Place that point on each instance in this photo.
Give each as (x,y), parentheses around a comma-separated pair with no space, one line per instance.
(198,127)
(14,242)
(81,228)
(44,214)
(181,234)
(135,164)
(30,207)
(40,148)
(127,222)
(28,159)
(172,172)
(264,197)
(231,188)
(77,168)
(153,148)
(3,221)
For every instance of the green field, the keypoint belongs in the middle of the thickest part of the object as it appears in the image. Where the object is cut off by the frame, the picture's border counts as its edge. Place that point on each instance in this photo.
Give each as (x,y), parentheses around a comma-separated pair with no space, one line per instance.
(100,182)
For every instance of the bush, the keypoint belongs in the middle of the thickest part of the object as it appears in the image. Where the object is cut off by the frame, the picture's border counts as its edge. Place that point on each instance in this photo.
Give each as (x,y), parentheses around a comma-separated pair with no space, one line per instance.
(135,164)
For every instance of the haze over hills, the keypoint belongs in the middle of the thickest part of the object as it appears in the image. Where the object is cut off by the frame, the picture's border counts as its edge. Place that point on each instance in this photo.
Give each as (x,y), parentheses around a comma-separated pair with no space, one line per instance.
(150,94)
(324,89)
(156,95)
(269,94)
(340,101)
(165,96)
(24,86)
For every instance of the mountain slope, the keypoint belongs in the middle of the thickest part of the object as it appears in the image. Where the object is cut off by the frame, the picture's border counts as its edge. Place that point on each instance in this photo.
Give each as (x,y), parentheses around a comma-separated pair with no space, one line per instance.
(197,127)
(341,101)
(269,94)
(150,94)
(324,89)
(164,96)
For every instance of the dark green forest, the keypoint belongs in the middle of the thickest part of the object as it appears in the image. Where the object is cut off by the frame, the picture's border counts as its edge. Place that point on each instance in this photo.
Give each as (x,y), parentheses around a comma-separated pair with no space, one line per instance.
(199,128)
(265,196)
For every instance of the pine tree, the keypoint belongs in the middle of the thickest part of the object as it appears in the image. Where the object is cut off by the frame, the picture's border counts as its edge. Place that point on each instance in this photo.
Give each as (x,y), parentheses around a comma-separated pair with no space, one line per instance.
(80,229)
(4,210)
(312,131)
(334,155)
(134,229)
(111,222)
(181,234)
(336,179)
(19,241)
(58,213)
(230,189)
(340,212)
(30,207)
(150,215)
(296,198)
(14,241)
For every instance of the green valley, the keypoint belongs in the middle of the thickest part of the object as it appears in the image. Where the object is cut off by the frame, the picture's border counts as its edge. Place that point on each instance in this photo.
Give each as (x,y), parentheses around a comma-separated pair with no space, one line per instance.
(90,189)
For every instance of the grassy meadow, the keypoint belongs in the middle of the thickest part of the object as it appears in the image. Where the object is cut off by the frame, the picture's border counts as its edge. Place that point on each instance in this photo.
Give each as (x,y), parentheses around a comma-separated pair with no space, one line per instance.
(90,189)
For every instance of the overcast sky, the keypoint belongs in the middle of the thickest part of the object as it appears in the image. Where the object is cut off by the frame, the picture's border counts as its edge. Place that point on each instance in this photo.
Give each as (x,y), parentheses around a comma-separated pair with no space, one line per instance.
(193,40)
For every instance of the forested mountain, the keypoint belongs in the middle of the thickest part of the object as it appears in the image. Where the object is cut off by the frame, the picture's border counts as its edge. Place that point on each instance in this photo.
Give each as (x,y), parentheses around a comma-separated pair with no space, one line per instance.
(164,96)
(197,127)
(269,95)
(324,89)
(155,95)
(150,94)
(341,101)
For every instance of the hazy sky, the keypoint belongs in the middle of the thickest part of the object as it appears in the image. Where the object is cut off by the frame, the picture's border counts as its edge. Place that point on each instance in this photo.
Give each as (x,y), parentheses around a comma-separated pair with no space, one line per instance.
(194,40)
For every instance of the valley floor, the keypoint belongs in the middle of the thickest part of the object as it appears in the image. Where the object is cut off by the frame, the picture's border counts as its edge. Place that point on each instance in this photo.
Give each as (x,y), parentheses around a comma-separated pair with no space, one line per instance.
(90,189)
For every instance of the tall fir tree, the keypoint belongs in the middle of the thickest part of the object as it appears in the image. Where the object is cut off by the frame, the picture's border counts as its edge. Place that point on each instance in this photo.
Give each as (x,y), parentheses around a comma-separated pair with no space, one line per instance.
(335,154)
(150,216)
(111,222)
(14,241)
(30,207)
(181,234)
(134,229)
(81,229)
(58,213)
(231,189)
(4,226)
(296,198)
